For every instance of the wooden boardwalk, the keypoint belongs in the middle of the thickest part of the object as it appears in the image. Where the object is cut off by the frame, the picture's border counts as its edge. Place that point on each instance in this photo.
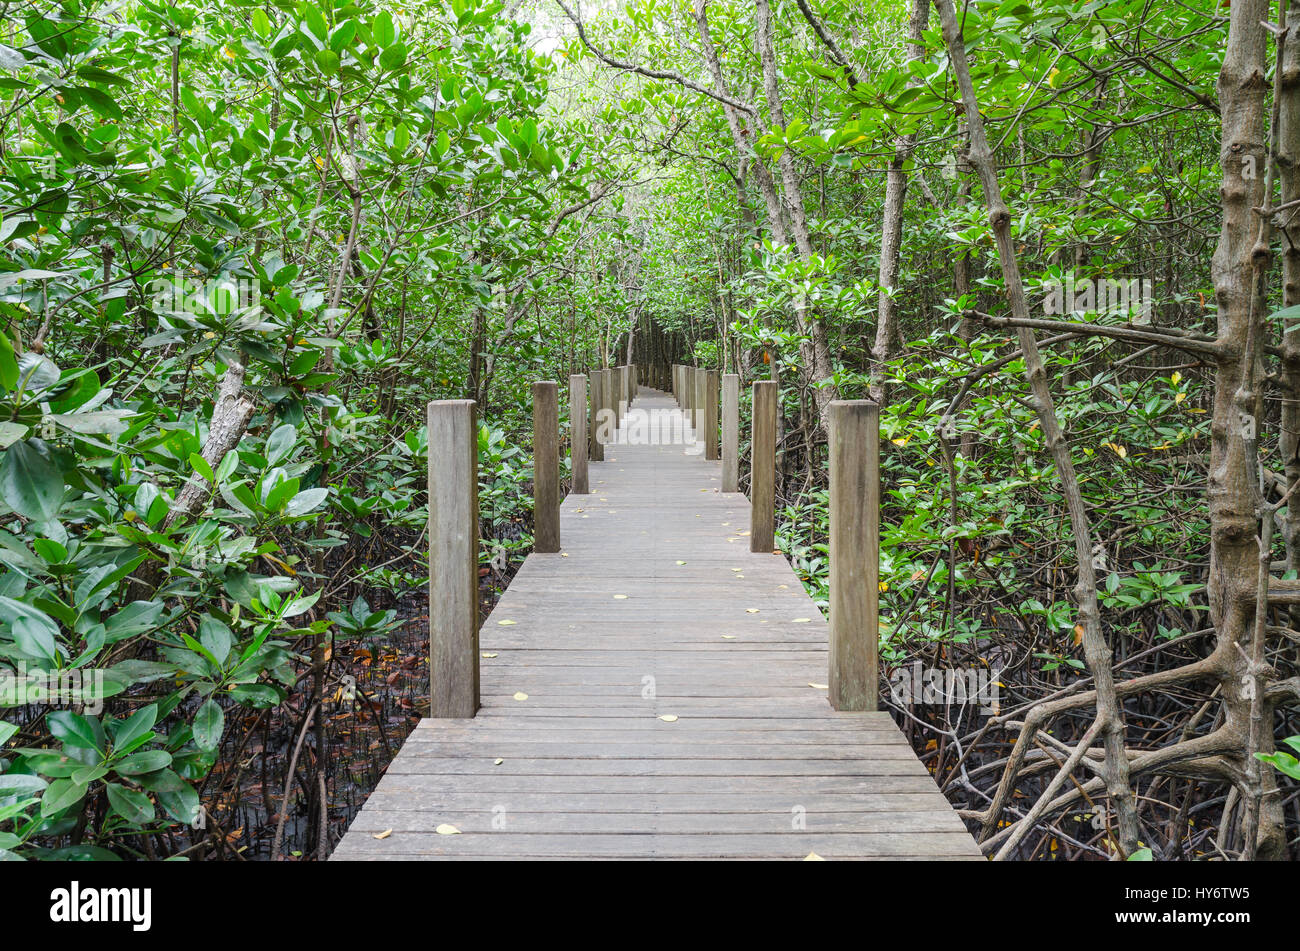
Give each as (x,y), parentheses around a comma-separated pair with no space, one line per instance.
(656,691)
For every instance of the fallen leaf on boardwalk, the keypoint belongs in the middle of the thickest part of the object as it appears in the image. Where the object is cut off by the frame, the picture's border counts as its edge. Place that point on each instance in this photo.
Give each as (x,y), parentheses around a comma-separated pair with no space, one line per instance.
(740,577)
(813,857)
(564,554)
(579,510)
(737,569)
(742,533)
(783,586)
(728,637)
(620,597)
(507,623)
(669,718)
(487,654)
(446,829)
(383,835)
(681,562)
(497,762)
(751,610)
(801,620)
(521,695)
(725,524)
(603,499)
(818,686)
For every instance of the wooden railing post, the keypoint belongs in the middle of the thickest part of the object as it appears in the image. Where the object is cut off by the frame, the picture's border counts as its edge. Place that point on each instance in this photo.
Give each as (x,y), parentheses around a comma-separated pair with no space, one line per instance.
(854,433)
(593,421)
(581,484)
(546,467)
(609,402)
(762,474)
(453,558)
(710,414)
(698,386)
(624,385)
(730,432)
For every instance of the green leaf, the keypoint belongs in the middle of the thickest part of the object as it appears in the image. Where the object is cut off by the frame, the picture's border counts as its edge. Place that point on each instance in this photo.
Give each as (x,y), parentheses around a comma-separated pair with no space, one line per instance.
(146,761)
(76,730)
(306,501)
(130,804)
(29,483)
(201,467)
(393,57)
(382,29)
(62,794)
(280,443)
(20,784)
(8,363)
(209,723)
(136,726)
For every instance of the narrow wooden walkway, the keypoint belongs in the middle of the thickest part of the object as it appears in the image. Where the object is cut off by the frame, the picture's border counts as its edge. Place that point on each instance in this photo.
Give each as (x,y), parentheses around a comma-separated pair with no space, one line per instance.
(656,691)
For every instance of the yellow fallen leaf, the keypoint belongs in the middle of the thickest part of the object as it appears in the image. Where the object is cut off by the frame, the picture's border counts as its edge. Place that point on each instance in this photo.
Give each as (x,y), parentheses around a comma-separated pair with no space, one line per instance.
(751,610)
(447,829)
(813,857)
(383,835)
(669,718)
(488,654)
(507,623)
(818,686)
(801,620)
(521,695)
(620,597)
(728,637)
(497,762)
(681,562)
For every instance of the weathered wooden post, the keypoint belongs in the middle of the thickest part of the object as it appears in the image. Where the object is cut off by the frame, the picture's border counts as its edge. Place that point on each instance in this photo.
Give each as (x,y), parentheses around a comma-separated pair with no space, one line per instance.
(854,432)
(609,403)
(624,389)
(710,414)
(578,434)
(453,558)
(699,385)
(546,467)
(597,395)
(762,474)
(730,432)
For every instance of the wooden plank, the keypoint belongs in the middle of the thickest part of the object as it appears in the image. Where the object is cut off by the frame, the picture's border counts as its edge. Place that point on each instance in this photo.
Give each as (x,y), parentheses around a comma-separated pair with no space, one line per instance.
(711,385)
(546,467)
(578,434)
(762,476)
(731,432)
(453,558)
(854,429)
(593,421)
